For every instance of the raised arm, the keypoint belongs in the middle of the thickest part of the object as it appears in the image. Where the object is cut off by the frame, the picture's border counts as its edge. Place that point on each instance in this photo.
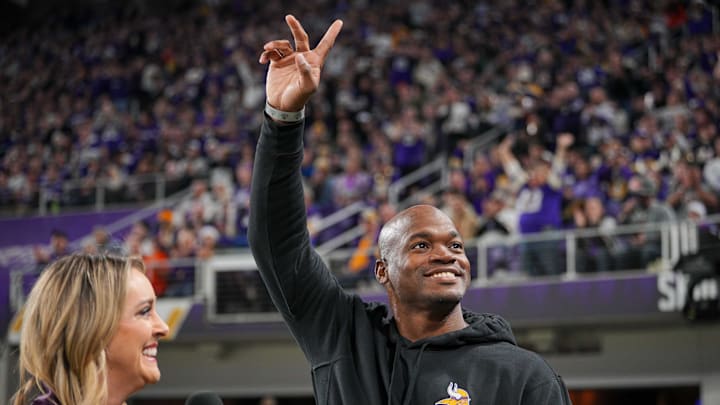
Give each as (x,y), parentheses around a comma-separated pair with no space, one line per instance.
(299,283)
(559,162)
(517,175)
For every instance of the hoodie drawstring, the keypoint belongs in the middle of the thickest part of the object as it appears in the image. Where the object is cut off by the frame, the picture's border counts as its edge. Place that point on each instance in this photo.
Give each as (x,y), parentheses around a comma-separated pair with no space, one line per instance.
(414,373)
(394,371)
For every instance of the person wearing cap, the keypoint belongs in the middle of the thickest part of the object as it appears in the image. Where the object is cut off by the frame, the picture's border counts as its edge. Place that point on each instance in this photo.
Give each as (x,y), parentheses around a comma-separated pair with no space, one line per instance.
(708,232)
(208,237)
(696,210)
(688,186)
(59,247)
(497,214)
(643,207)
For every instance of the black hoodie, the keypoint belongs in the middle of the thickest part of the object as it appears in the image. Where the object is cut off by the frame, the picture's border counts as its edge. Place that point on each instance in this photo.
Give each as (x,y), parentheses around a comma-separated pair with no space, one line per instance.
(357,355)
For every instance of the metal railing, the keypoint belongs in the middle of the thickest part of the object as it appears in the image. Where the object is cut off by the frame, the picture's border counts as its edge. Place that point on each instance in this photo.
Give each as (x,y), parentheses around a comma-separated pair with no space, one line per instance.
(135,189)
(338,216)
(567,248)
(340,240)
(398,188)
(481,143)
(499,258)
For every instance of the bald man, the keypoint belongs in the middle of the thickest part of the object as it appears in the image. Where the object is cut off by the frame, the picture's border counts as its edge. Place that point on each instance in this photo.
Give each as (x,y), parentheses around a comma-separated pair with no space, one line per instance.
(422,348)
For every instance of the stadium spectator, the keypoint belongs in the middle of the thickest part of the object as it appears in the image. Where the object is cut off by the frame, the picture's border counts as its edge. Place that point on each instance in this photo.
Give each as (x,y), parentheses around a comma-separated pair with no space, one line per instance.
(198,209)
(353,183)
(581,181)
(157,267)
(457,207)
(687,186)
(140,230)
(497,214)
(614,173)
(208,237)
(409,139)
(594,253)
(482,178)
(224,211)
(59,247)
(457,120)
(181,277)
(538,202)
(498,221)
(643,207)
(362,261)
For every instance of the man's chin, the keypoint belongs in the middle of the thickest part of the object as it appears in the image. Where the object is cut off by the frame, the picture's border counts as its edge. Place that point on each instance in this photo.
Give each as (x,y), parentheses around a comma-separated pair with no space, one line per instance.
(448,301)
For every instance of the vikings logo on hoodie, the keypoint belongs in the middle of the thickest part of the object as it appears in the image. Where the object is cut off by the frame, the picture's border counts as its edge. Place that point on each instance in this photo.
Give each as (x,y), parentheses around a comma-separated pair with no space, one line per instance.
(458,396)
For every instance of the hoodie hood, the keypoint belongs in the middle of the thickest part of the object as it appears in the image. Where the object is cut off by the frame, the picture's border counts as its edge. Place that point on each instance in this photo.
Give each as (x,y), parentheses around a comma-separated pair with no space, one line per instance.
(482,328)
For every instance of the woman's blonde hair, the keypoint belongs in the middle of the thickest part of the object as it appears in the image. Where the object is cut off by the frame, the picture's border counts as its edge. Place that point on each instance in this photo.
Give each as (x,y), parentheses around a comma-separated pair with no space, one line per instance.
(69,319)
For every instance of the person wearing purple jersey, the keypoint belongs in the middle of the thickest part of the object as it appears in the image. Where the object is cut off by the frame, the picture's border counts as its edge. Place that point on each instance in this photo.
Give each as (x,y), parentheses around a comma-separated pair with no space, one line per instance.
(538,203)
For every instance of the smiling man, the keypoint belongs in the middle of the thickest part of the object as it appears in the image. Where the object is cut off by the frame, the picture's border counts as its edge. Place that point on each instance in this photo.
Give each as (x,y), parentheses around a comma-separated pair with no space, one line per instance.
(424,270)
(422,349)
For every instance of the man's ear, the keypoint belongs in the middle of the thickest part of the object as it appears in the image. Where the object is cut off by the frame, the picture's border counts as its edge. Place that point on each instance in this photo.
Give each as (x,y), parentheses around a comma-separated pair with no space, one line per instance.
(381,271)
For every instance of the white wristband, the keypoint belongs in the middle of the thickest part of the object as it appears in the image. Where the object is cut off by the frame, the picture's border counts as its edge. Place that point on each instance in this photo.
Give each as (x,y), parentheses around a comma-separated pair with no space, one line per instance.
(284,116)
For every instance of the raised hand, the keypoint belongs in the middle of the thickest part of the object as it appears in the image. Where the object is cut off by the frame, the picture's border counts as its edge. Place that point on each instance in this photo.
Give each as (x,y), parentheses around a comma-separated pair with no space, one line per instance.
(294,74)
(565,140)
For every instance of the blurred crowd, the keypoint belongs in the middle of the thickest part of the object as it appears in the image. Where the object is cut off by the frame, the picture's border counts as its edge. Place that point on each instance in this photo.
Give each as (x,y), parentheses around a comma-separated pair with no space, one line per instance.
(609,109)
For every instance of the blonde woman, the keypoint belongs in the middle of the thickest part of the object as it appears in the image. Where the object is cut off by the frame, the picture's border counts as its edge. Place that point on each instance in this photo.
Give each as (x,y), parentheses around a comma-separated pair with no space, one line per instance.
(90,333)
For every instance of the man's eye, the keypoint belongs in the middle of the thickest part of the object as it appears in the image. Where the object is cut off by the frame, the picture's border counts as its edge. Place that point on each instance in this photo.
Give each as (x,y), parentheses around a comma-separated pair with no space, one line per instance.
(420,245)
(456,245)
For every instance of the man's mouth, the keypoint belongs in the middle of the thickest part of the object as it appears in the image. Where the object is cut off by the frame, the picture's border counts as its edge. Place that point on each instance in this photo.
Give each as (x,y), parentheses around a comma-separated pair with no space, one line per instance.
(443,274)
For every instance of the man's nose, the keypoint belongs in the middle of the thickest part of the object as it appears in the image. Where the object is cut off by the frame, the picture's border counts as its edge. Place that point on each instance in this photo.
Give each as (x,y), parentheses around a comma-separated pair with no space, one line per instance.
(443,255)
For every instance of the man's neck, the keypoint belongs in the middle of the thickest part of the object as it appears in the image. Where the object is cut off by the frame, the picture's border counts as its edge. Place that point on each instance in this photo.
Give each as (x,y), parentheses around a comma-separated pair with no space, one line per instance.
(420,324)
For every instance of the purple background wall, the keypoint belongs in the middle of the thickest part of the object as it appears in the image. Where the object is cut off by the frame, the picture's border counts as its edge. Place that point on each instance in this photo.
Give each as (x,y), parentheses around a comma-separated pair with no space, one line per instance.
(36,230)
(18,235)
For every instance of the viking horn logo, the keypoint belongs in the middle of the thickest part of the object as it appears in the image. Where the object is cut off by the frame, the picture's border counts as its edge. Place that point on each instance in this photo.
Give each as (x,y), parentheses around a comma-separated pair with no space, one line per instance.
(452,390)
(457,396)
